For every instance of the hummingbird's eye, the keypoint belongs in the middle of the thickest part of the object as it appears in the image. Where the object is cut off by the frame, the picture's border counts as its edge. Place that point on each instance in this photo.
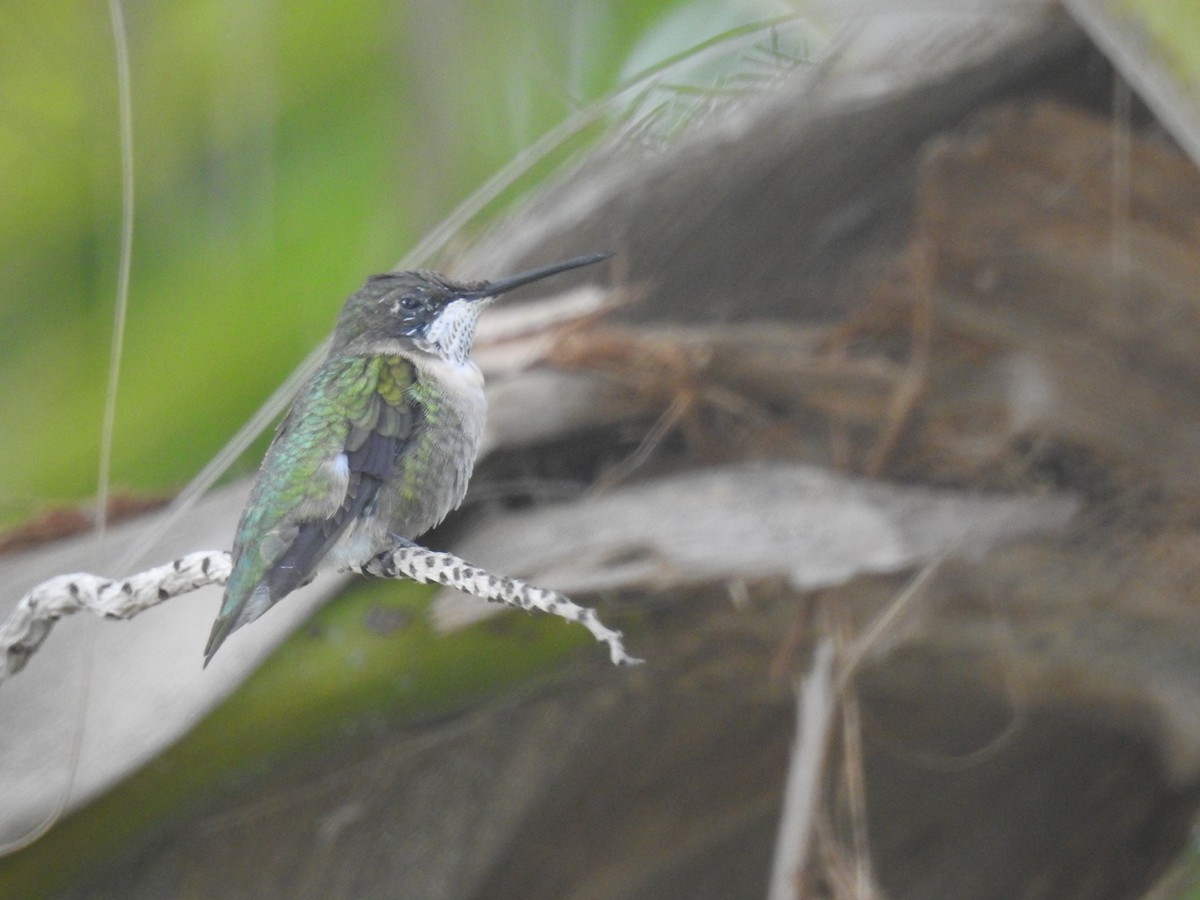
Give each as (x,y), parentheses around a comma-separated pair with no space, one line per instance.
(410,303)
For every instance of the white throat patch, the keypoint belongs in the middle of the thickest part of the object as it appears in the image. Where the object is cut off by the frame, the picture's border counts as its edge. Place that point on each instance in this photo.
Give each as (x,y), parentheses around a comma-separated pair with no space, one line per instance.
(453,333)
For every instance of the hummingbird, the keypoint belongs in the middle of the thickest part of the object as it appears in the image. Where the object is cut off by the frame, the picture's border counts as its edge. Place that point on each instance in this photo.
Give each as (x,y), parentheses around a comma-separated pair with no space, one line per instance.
(379,444)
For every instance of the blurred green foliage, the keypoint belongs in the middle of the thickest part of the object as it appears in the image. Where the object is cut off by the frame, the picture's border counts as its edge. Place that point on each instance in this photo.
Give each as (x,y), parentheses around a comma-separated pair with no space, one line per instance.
(282,152)
(1172,27)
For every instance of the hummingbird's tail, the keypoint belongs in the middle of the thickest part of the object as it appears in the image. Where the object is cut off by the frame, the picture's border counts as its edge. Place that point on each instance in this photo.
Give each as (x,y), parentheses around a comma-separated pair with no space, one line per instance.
(234,614)
(222,628)
(294,567)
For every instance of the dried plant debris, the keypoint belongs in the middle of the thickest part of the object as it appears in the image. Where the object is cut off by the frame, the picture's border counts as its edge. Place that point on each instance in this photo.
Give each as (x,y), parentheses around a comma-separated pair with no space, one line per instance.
(1032,351)
(748,522)
(760,390)
(1060,316)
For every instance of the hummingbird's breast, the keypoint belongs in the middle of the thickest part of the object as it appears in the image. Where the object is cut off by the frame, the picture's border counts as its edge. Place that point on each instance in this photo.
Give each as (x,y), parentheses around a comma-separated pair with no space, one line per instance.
(449,411)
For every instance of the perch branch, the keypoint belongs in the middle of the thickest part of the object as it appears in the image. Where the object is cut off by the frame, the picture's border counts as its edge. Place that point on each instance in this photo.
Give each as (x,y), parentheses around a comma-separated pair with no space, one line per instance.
(34,616)
(30,622)
(429,567)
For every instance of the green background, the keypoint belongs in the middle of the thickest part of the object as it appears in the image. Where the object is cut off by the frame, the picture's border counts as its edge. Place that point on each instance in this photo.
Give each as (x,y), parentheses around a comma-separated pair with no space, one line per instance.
(282,152)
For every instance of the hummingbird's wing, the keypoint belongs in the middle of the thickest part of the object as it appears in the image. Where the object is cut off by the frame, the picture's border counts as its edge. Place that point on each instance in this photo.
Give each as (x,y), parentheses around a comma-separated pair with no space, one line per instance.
(367,468)
(336,448)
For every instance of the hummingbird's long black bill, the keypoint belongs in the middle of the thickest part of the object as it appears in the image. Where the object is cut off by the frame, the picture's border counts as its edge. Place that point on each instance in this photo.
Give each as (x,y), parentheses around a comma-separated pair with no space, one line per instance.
(496,288)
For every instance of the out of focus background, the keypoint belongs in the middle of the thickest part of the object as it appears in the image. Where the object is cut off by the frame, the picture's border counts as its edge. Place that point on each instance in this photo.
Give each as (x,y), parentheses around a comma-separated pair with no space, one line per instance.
(282,153)
(878,437)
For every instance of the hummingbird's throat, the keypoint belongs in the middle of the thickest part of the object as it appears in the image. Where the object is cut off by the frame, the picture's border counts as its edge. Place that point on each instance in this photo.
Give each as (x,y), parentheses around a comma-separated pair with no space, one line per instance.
(453,332)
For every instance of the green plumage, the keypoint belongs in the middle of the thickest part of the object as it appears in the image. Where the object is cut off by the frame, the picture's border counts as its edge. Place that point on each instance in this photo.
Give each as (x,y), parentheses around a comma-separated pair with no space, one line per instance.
(379,444)
(351,402)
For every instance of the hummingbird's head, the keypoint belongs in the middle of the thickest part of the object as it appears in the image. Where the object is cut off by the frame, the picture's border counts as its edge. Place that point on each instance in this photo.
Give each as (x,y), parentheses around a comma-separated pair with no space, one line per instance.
(438,315)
